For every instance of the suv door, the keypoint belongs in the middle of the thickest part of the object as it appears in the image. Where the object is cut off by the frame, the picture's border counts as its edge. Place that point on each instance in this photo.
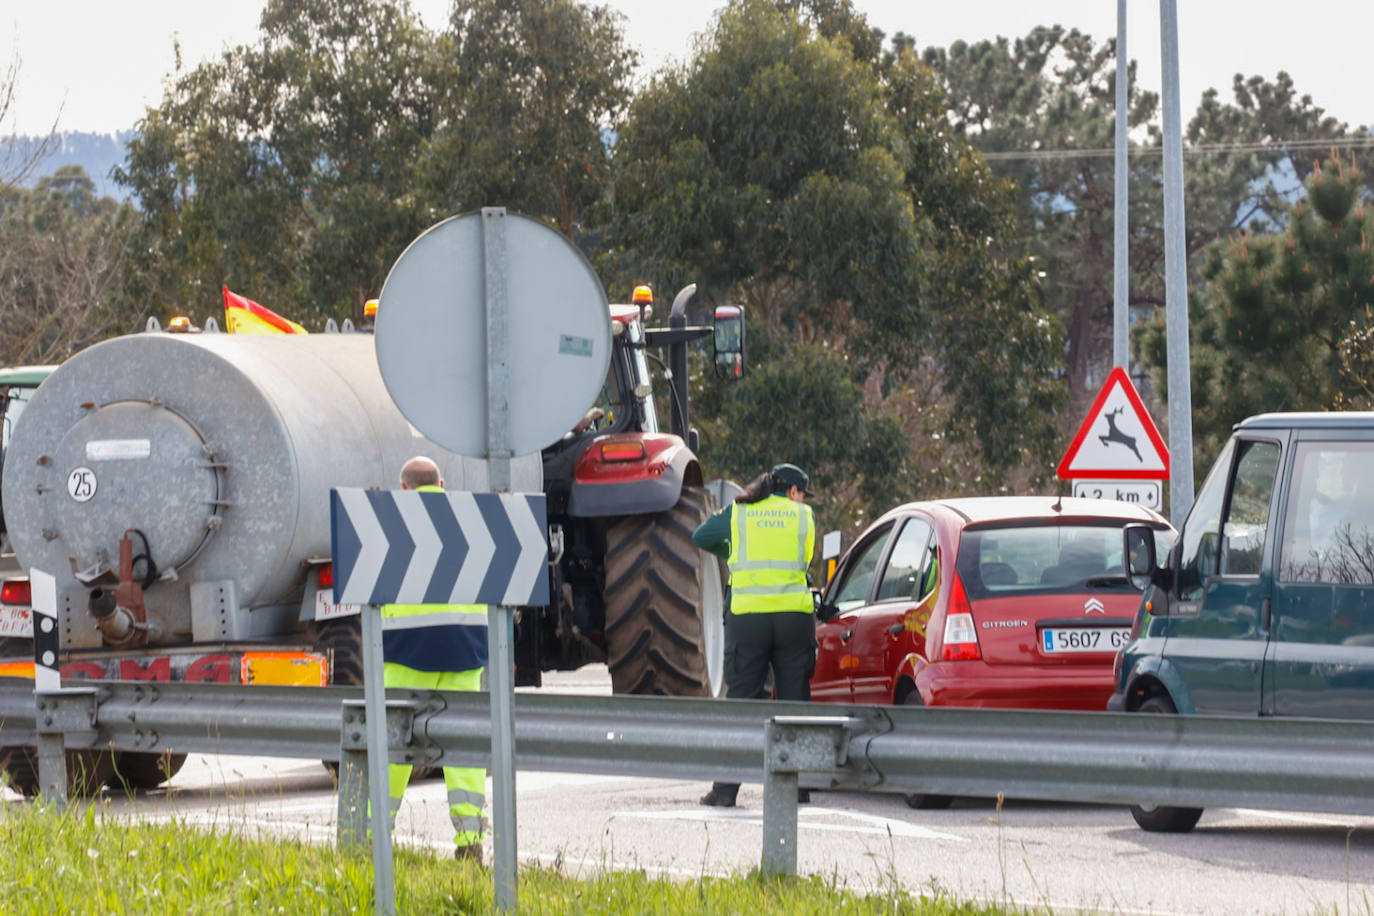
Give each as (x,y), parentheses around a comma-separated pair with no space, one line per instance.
(893,626)
(1215,636)
(1321,656)
(850,590)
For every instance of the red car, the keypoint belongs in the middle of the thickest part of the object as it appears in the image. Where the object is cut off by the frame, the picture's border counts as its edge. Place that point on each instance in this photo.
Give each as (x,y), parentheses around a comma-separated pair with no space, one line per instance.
(1013,602)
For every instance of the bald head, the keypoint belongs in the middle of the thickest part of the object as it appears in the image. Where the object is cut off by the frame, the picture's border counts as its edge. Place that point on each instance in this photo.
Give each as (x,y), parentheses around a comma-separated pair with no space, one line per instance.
(420,472)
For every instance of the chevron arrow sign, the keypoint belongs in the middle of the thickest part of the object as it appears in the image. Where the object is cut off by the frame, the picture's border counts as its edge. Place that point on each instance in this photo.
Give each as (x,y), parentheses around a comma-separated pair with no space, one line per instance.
(408,547)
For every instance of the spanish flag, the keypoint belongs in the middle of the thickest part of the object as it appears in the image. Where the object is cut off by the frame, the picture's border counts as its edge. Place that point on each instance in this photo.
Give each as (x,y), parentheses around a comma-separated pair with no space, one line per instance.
(244,316)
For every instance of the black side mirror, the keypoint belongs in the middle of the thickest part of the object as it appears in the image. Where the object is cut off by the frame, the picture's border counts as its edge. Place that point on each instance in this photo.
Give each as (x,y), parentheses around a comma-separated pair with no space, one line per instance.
(1143,569)
(822,610)
(729,341)
(1139,549)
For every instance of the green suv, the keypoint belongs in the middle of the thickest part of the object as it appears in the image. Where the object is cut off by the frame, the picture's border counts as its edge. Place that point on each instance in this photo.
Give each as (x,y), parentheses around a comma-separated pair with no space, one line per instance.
(1265,604)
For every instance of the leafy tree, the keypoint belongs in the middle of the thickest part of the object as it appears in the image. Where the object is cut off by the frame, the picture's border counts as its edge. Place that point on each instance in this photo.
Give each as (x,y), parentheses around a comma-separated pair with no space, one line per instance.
(821,189)
(1054,90)
(60,268)
(297,169)
(287,169)
(1043,108)
(1282,319)
(526,91)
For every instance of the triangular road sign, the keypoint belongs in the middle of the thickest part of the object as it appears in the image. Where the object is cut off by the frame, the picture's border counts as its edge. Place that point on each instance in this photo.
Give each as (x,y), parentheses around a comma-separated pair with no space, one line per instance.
(1118,440)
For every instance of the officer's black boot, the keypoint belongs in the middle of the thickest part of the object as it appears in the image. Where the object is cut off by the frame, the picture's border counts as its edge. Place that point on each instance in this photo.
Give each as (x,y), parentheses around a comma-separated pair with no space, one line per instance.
(722,795)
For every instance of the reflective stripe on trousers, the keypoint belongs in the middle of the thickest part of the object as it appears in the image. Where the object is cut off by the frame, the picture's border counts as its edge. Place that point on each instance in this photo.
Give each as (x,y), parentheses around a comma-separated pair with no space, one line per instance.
(466,785)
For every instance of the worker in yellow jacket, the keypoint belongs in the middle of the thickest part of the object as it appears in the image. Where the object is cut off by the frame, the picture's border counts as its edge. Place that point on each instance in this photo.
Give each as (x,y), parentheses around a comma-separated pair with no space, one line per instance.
(767,537)
(438,647)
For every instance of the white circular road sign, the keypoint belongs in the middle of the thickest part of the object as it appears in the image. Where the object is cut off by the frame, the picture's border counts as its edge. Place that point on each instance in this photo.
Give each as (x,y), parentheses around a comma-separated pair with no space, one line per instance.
(432,334)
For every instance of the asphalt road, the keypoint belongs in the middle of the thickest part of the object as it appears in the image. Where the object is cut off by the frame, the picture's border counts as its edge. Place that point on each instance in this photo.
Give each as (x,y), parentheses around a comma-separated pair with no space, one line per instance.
(1065,857)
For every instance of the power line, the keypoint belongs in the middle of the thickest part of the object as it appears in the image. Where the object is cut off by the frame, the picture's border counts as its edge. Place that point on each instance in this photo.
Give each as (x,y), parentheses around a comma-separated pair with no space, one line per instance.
(1201,149)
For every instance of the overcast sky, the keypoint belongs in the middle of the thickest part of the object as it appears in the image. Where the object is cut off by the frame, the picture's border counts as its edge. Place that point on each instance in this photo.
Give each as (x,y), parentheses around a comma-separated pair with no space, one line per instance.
(95,65)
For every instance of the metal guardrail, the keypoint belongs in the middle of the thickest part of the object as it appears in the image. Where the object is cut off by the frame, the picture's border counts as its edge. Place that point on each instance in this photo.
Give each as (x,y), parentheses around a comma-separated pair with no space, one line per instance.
(1196,761)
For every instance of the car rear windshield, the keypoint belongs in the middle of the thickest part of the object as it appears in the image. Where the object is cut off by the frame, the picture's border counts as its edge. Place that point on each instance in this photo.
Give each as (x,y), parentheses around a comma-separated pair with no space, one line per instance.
(1016,559)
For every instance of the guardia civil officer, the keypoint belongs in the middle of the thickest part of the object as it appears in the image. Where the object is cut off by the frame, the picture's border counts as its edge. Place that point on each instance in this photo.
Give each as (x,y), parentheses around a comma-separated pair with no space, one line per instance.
(767,537)
(438,647)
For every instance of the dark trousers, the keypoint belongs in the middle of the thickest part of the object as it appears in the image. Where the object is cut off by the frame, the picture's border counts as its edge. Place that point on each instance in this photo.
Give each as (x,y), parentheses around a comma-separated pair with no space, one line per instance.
(784,641)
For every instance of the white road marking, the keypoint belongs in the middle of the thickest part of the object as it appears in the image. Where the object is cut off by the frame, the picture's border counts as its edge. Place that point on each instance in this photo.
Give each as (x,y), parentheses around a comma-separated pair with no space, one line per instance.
(869,824)
(1299,818)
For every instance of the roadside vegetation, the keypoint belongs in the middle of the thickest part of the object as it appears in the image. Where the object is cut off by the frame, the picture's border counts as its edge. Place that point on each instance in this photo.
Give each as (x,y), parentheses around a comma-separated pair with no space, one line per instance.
(78,861)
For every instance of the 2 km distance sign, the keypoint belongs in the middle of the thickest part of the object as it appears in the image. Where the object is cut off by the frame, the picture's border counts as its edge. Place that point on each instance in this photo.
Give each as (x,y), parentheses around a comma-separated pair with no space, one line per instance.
(1118,440)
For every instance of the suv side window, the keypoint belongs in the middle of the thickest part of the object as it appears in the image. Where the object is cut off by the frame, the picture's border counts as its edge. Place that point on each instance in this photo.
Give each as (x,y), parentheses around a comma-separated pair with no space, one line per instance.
(905,573)
(1201,532)
(1247,516)
(1328,530)
(856,581)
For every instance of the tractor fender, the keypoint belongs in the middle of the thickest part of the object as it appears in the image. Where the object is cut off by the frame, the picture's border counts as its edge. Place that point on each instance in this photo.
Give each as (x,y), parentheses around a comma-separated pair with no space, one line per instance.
(620,486)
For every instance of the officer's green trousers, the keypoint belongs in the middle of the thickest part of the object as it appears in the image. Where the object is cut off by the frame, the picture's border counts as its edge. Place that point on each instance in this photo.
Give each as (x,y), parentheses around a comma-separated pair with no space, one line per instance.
(466,785)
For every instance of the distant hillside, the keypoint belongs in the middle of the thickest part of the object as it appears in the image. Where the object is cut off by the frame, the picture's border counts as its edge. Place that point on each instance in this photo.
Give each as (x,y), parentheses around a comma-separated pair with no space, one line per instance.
(98,154)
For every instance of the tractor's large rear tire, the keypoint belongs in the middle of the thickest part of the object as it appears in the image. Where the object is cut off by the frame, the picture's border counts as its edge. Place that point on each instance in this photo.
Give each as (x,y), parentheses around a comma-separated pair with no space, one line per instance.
(657,630)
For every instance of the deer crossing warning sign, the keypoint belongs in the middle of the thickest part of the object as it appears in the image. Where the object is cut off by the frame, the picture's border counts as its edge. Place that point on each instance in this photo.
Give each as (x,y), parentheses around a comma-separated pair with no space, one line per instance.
(1118,440)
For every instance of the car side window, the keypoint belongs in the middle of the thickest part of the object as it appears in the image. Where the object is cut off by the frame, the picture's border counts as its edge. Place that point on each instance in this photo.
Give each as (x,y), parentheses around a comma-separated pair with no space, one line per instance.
(1328,530)
(856,580)
(1247,515)
(906,567)
(1199,552)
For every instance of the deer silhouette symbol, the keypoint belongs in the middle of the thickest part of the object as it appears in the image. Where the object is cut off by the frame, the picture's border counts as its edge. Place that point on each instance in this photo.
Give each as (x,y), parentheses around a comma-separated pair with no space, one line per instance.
(1116,435)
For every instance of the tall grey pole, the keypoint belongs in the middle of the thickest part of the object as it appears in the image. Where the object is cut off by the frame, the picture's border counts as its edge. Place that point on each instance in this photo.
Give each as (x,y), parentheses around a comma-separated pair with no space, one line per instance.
(1121,286)
(1175,277)
(500,620)
(378,754)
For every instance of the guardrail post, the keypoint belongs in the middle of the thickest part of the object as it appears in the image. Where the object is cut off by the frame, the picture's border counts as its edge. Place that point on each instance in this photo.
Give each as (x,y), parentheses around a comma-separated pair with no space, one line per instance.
(59,712)
(352,816)
(353,776)
(794,745)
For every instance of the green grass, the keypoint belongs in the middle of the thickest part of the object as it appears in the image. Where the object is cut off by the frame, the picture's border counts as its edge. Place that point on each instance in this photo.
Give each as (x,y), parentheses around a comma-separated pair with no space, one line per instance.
(76,860)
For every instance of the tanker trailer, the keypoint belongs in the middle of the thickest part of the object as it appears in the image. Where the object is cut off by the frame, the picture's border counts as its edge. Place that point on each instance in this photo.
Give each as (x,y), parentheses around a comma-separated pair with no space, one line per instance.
(177,487)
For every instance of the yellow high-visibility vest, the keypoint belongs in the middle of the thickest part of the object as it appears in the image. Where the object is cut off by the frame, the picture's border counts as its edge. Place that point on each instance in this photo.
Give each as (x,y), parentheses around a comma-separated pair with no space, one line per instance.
(770,549)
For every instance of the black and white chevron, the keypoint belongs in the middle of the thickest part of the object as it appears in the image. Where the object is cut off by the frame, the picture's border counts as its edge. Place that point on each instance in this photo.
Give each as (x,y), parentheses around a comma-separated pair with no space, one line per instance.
(408,547)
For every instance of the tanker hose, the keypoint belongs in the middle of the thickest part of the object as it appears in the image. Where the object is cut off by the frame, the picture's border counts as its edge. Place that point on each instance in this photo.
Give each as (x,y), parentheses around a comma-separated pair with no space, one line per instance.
(115,622)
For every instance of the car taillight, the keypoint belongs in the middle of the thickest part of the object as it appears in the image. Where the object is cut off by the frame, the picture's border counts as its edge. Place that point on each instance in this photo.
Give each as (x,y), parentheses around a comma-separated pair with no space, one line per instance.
(327,575)
(961,639)
(16,591)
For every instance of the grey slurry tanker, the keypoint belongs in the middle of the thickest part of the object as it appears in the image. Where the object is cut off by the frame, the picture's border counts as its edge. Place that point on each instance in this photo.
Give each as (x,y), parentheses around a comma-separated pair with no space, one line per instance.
(177,488)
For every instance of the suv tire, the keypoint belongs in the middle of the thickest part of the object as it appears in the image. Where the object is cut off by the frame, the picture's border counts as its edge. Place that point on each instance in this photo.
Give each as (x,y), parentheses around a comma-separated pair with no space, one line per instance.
(1163,818)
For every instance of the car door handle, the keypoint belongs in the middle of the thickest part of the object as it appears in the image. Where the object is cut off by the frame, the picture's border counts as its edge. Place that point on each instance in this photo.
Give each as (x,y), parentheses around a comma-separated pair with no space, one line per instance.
(846,635)
(1266,615)
(897,629)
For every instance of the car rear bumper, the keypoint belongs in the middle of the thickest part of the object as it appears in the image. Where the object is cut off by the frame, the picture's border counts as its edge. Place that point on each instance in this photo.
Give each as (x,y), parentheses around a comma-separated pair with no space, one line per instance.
(976,683)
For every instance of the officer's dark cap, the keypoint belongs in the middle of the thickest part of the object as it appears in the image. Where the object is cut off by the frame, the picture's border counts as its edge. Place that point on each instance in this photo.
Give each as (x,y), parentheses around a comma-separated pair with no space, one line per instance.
(786,476)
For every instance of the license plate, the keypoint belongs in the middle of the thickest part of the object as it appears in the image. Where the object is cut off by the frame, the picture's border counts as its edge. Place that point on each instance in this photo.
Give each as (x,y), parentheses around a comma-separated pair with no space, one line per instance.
(16,621)
(1084,639)
(326,609)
